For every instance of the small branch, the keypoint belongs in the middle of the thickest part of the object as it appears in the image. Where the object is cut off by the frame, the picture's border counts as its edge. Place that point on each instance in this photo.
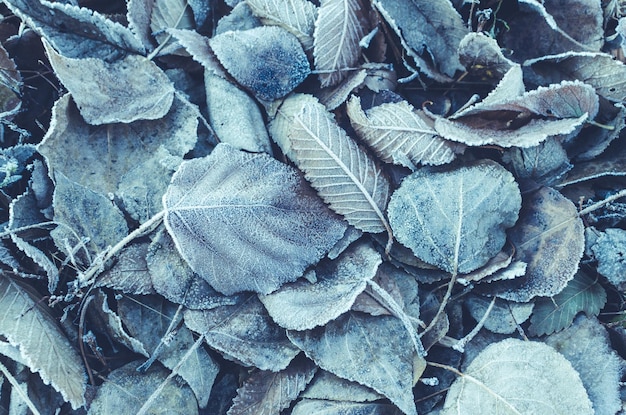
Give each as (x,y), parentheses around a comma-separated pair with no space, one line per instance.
(18,388)
(598,205)
(175,320)
(460,345)
(442,306)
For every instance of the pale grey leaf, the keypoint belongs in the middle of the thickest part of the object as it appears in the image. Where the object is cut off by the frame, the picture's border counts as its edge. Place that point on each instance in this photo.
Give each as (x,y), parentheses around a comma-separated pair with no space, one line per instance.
(339,27)
(249,214)
(400,134)
(166,14)
(333,97)
(148,319)
(240,18)
(544,163)
(130,272)
(549,237)
(505,316)
(581,294)
(400,286)
(431,29)
(244,332)
(330,387)
(365,338)
(303,305)
(125,90)
(267,60)
(506,372)
(344,175)
(610,251)
(198,47)
(234,116)
(482,56)
(76,32)
(456,219)
(138,15)
(587,346)
(126,390)
(323,407)
(269,393)
(296,16)
(26,324)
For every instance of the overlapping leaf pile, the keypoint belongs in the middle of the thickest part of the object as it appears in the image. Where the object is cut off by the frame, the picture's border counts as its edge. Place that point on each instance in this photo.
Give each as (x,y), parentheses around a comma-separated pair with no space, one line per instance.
(255,215)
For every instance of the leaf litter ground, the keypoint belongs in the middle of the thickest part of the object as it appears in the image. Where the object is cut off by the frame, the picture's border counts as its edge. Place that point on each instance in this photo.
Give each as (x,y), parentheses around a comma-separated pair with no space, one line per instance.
(334,206)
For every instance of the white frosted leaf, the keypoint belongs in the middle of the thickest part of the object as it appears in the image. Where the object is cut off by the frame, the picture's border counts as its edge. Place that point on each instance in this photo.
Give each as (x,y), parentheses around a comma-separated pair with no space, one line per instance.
(129,89)
(482,56)
(324,407)
(303,305)
(46,350)
(267,60)
(518,377)
(248,214)
(296,16)
(166,14)
(330,387)
(455,219)
(399,134)
(549,237)
(344,175)
(505,316)
(608,249)
(198,47)
(365,338)
(130,272)
(339,27)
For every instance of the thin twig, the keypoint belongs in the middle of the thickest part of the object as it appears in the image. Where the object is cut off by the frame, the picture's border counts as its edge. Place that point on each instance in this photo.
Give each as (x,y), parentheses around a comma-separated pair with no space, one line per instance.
(81,343)
(601,203)
(18,388)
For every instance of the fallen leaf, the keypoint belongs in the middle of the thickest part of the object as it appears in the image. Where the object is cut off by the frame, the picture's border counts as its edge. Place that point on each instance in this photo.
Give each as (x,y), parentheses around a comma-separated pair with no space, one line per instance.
(296,16)
(505,316)
(130,273)
(317,406)
(329,387)
(609,250)
(166,14)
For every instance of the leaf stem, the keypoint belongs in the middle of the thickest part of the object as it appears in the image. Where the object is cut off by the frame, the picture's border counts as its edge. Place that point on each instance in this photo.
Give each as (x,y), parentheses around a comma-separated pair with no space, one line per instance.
(598,205)
(18,388)
(442,306)
(459,346)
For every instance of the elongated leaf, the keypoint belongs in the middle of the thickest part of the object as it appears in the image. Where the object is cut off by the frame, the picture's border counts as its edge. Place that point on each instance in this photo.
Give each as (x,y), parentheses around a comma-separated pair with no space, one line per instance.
(341,172)
(518,377)
(339,27)
(296,16)
(41,343)
(247,222)
(399,134)
(339,346)
(267,392)
(456,219)
(582,293)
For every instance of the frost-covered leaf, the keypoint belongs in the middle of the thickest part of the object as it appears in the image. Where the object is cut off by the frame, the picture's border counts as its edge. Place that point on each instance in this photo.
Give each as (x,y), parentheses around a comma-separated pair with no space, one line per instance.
(267,392)
(503,374)
(365,338)
(173,279)
(244,332)
(339,27)
(148,319)
(126,390)
(482,56)
(138,16)
(85,214)
(455,219)
(234,116)
(331,387)
(430,30)
(586,345)
(611,164)
(126,90)
(76,32)
(139,157)
(505,316)
(130,273)
(26,324)
(248,214)
(343,174)
(544,163)
(10,85)
(166,14)
(401,286)
(400,134)
(296,16)
(303,305)
(600,70)
(322,407)
(240,18)
(582,293)
(610,250)
(267,60)
(549,237)
(198,47)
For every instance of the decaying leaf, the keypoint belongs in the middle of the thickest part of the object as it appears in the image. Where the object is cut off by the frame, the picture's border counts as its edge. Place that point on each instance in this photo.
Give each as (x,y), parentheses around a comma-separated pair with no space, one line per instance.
(549,237)
(456,219)
(130,89)
(504,373)
(303,305)
(296,16)
(267,60)
(267,392)
(482,56)
(365,339)
(42,344)
(400,134)
(246,221)
(10,85)
(244,332)
(130,273)
(339,27)
(582,293)
(344,175)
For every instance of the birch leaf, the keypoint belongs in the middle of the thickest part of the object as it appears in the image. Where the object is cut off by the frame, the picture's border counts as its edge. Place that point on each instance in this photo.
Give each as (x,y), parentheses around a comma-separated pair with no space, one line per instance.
(41,342)
(456,220)
(365,338)
(504,373)
(342,173)
(246,221)
(339,27)
(399,134)
(295,16)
